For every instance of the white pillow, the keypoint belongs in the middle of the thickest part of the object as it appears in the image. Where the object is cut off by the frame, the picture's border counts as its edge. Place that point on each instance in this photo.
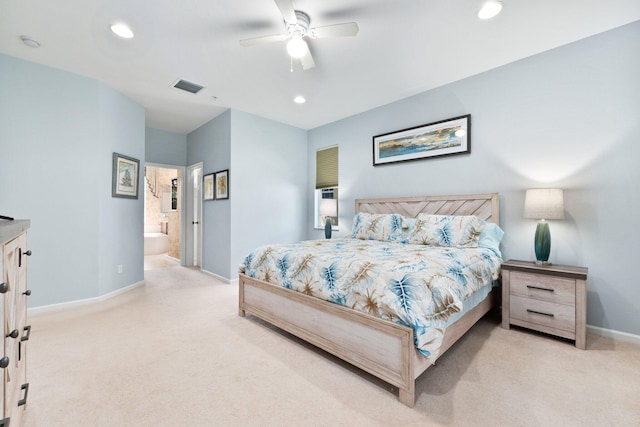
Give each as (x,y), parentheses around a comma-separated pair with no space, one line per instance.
(383,227)
(461,231)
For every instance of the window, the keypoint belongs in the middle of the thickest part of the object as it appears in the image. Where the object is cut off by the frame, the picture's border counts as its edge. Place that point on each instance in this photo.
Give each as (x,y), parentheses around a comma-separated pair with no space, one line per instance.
(326,186)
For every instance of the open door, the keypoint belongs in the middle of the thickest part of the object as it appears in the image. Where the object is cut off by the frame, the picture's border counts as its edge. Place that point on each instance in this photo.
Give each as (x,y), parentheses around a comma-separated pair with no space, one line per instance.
(193,229)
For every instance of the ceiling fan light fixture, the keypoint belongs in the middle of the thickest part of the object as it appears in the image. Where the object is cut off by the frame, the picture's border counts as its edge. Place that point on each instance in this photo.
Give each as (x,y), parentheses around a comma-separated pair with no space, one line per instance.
(296,47)
(490,9)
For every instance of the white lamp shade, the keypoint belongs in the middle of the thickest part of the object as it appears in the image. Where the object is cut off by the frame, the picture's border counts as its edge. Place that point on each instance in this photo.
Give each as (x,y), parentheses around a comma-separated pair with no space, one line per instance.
(544,203)
(328,207)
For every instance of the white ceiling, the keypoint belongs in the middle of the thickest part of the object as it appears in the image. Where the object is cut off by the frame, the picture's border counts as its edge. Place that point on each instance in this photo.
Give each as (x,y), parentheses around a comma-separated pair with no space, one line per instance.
(404,47)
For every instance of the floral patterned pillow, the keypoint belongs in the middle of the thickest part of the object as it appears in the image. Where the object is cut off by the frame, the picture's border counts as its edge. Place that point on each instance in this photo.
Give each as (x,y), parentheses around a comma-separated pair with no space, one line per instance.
(461,231)
(384,227)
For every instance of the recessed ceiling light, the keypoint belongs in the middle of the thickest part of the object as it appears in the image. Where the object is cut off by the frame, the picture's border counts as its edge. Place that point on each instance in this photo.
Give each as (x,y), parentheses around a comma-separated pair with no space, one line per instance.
(122,30)
(30,42)
(490,9)
(299,99)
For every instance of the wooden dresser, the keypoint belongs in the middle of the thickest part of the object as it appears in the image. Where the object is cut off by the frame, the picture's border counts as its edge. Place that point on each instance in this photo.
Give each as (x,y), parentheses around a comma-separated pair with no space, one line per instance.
(13,288)
(546,298)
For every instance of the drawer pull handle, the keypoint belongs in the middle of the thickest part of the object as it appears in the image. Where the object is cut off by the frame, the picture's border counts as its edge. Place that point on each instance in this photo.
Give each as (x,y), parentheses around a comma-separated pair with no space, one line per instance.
(26,337)
(539,312)
(23,401)
(13,334)
(3,290)
(540,289)
(20,253)
(4,362)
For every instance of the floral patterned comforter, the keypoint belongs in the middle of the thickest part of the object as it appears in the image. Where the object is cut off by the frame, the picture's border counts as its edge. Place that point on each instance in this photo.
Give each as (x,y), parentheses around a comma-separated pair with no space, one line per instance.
(415,285)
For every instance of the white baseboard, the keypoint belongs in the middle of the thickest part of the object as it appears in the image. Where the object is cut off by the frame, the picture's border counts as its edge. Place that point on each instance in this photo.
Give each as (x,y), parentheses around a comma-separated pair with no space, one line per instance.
(615,335)
(78,303)
(224,279)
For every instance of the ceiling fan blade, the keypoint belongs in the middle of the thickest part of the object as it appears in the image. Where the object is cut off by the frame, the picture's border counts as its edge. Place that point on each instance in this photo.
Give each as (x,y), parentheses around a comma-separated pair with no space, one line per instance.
(348,29)
(287,11)
(263,40)
(307,60)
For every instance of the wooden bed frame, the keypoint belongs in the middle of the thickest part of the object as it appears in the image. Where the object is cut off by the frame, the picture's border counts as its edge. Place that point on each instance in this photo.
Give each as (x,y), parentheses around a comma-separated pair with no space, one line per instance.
(380,347)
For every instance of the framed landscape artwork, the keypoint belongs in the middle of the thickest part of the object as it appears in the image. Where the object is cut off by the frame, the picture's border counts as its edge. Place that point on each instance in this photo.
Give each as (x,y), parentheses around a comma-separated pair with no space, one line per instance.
(442,138)
(222,185)
(124,176)
(207,186)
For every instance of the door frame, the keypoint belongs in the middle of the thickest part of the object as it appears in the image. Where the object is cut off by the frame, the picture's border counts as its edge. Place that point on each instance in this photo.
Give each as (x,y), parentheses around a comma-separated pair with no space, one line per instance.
(189,210)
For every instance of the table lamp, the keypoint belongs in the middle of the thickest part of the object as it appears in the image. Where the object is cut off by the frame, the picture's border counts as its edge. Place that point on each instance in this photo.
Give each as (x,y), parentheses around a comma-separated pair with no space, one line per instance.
(328,208)
(543,204)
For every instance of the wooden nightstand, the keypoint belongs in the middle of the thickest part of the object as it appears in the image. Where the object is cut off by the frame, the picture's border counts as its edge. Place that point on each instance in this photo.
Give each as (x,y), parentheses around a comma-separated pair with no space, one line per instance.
(546,298)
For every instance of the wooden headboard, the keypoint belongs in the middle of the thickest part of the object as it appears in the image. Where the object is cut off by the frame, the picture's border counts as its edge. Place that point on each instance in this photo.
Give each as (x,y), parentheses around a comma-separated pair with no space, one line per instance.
(485,206)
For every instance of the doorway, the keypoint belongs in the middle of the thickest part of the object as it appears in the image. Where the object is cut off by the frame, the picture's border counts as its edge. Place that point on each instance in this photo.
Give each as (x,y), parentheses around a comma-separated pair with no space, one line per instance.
(162,216)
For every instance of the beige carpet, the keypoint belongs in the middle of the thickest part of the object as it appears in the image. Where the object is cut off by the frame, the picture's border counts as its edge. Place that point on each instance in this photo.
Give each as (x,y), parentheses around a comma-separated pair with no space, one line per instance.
(174,352)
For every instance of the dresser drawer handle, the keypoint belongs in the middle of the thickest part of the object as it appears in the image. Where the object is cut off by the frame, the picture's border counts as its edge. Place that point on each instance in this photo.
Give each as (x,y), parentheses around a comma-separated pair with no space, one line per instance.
(539,288)
(20,253)
(539,312)
(26,337)
(23,401)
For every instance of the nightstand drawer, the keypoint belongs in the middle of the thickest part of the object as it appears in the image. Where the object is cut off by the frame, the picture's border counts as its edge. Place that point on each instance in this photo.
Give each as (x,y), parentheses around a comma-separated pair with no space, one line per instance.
(558,290)
(543,313)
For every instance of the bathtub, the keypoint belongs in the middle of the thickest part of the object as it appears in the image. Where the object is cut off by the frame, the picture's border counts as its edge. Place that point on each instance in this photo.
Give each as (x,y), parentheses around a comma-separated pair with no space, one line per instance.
(156,243)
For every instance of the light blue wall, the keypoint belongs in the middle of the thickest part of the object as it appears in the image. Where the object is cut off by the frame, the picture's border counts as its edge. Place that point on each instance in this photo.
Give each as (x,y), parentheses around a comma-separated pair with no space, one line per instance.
(57,134)
(120,221)
(210,144)
(565,118)
(165,148)
(268,184)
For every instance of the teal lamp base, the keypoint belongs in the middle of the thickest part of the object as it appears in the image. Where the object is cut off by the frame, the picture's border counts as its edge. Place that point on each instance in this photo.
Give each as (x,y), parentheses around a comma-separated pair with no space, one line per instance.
(327,228)
(542,243)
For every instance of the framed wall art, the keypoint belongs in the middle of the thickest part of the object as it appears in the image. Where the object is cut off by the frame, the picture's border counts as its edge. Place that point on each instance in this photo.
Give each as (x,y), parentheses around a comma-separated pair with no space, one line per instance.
(222,185)
(124,176)
(442,138)
(207,186)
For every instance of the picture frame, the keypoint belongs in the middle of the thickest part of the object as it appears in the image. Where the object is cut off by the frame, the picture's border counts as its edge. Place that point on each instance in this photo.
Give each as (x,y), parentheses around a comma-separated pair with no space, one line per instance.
(124,176)
(442,138)
(207,186)
(222,185)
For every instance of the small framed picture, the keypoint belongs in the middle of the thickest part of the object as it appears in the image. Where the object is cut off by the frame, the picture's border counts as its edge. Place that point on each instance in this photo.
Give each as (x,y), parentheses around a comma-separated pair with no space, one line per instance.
(207,185)
(124,179)
(222,185)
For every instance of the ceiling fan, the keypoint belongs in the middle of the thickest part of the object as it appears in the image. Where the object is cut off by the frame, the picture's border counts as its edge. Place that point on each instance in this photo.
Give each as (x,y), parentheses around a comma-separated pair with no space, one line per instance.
(297,26)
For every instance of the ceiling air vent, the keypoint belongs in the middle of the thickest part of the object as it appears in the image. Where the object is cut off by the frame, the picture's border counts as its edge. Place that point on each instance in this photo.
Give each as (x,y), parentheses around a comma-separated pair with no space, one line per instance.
(188,86)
